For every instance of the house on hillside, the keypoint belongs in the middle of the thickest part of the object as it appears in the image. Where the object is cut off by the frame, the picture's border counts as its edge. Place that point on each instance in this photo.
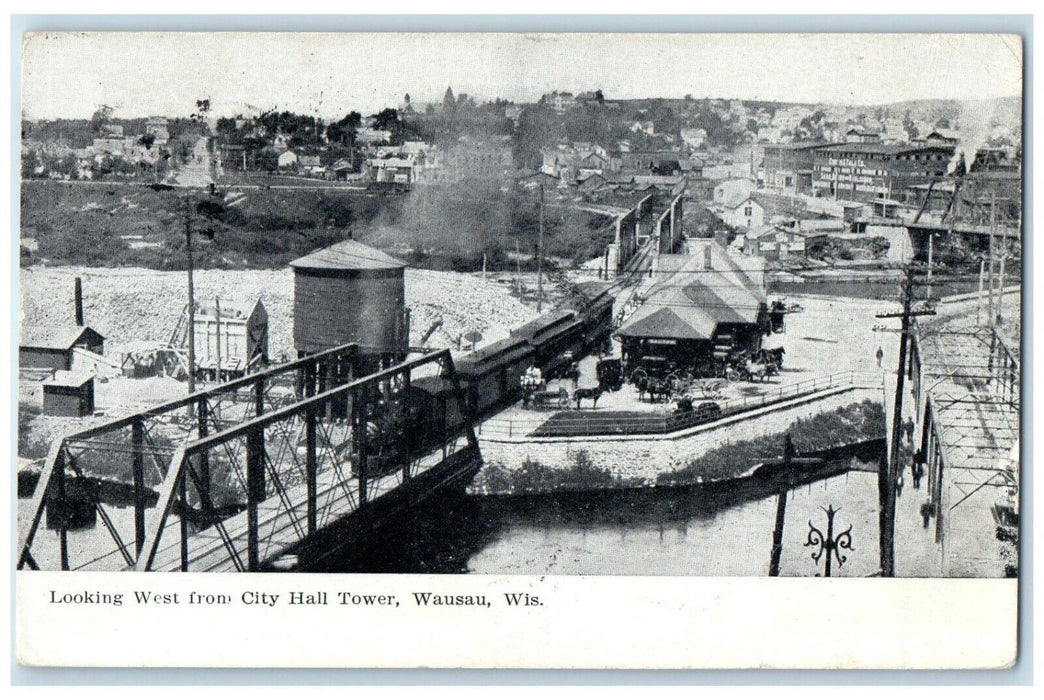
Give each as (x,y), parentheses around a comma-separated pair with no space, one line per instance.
(560,101)
(694,138)
(591,182)
(645,127)
(340,169)
(534,181)
(730,190)
(157,128)
(281,141)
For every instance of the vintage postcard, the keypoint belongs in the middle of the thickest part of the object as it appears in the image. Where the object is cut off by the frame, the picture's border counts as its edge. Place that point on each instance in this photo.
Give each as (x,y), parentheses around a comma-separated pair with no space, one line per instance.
(333,336)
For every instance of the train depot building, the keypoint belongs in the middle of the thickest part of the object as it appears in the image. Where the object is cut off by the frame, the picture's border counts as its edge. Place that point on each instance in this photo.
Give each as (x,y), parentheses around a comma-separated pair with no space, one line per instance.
(703,308)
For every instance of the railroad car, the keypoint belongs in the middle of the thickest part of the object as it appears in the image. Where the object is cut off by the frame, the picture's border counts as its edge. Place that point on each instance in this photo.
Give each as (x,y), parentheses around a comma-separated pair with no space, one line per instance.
(597,316)
(552,336)
(434,407)
(492,374)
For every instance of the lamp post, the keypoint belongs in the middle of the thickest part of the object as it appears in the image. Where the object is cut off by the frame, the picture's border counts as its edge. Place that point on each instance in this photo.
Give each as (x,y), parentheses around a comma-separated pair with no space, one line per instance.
(829,545)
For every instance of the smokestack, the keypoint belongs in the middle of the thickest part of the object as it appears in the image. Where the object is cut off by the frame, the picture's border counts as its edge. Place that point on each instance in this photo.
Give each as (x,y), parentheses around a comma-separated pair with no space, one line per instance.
(707,258)
(78,300)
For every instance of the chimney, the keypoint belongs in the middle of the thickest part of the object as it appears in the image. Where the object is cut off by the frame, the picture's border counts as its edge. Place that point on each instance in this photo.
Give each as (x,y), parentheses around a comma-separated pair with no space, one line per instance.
(707,257)
(78,300)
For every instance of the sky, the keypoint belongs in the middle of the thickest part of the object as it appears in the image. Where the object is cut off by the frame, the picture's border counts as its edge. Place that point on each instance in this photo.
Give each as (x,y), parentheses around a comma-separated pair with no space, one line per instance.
(139,74)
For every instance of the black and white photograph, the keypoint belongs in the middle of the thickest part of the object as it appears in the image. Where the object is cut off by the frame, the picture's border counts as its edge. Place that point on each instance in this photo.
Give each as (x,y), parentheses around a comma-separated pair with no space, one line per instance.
(581,304)
(292,323)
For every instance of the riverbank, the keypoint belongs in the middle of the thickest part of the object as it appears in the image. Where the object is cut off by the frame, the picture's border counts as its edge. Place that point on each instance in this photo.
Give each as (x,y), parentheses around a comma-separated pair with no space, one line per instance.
(548,466)
(722,529)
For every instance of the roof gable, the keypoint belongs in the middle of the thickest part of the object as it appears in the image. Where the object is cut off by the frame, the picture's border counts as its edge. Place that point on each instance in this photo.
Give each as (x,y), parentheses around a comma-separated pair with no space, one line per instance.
(55,337)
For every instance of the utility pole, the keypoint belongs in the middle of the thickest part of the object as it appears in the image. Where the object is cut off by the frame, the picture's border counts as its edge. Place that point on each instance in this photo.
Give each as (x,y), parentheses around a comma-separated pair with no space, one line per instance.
(518,269)
(1000,288)
(931,238)
(889,474)
(978,299)
(540,252)
(989,274)
(217,339)
(191,301)
(781,510)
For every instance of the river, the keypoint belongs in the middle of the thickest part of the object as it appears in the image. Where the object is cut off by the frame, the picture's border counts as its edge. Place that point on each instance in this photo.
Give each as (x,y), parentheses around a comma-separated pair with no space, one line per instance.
(723,530)
(710,530)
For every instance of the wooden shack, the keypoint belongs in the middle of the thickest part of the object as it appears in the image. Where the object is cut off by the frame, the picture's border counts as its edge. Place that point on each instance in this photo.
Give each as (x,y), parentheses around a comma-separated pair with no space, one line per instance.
(44,347)
(69,395)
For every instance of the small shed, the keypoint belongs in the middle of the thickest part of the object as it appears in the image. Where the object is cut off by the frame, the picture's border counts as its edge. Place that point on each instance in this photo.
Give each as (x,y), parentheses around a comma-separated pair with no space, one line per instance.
(69,395)
(51,347)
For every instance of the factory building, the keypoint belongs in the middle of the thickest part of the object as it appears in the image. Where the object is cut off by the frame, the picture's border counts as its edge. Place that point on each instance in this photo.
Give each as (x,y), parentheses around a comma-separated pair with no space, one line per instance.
(350,293)
(864,172)
(787,167)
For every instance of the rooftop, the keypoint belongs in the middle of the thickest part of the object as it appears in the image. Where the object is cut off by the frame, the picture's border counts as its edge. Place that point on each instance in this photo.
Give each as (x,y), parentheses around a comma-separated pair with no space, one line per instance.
(348,255)
(689,304)
(53,337)
(883,148)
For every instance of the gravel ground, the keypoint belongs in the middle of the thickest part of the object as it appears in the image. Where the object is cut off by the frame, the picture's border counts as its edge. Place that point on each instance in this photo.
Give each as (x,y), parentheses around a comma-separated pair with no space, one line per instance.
(134,304)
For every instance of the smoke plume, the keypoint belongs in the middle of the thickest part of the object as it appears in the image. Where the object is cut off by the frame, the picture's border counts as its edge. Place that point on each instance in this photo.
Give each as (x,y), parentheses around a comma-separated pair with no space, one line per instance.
(974,125)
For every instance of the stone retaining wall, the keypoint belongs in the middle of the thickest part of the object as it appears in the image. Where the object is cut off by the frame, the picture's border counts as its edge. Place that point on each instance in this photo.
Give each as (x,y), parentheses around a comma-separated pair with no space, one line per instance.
(643,457)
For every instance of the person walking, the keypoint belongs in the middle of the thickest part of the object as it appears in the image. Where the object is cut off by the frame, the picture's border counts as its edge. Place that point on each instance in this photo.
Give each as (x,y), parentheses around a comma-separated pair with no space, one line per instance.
(880,355)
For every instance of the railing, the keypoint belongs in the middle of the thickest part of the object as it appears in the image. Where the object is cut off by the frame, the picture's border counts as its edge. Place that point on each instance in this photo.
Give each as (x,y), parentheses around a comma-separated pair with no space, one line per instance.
(315,487)
(136,449)
(561,424)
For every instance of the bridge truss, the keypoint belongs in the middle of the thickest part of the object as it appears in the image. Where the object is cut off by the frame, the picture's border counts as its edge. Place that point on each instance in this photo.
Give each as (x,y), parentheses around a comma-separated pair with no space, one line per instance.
(233,476)
(971,420)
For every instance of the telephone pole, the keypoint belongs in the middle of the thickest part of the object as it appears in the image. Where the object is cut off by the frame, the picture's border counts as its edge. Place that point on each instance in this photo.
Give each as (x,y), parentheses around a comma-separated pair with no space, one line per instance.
(540,252)
(191,301)
(889,473)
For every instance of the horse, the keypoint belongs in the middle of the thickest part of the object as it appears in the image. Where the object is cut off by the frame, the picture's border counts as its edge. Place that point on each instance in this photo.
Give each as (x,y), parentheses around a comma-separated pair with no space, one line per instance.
(757,371)
(543,398)
(658,389)
(774,356)
(593,393)
(640,379)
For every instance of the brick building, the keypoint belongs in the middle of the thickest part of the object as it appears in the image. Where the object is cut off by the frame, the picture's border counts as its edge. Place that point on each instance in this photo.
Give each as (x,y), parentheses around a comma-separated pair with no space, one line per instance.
(788,167)
(864,172)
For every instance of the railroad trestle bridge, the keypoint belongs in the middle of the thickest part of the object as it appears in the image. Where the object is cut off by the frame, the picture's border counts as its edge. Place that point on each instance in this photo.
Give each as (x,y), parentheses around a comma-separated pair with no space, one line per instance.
(233,477)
